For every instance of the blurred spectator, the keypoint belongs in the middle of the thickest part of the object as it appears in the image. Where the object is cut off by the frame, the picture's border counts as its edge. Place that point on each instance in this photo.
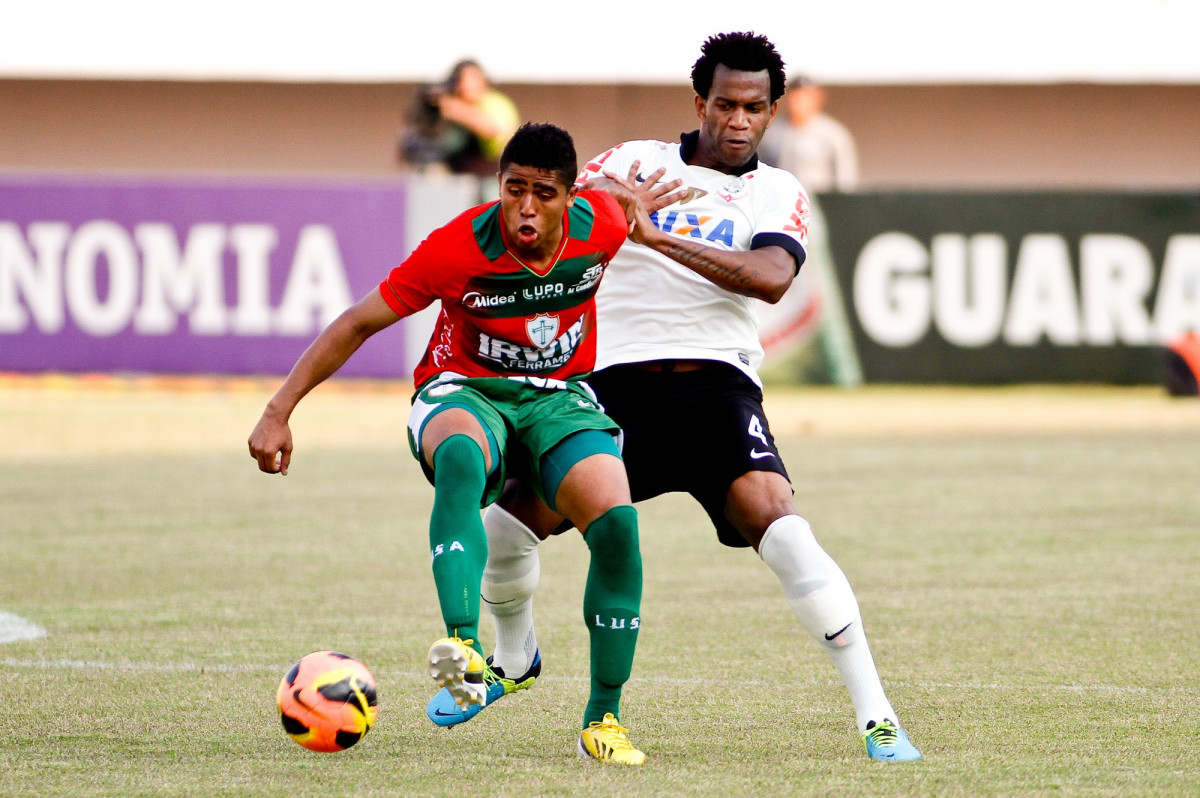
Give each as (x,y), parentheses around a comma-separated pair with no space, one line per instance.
(809,143)
(1183,365)
(460,124)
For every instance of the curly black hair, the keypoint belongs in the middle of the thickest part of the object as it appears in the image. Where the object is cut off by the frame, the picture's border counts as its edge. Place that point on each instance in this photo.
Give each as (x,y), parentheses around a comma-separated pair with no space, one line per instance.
(746,52)
(542,145)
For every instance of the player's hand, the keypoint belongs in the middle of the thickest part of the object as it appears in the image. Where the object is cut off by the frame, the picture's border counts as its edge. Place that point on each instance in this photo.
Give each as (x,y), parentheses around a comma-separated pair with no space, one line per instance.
(271,445)
(650,193)
(619,191)
(633,198)
(641,228)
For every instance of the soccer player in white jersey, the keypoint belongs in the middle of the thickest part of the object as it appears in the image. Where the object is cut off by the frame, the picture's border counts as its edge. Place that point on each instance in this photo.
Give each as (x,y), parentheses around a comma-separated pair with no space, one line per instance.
(678,351)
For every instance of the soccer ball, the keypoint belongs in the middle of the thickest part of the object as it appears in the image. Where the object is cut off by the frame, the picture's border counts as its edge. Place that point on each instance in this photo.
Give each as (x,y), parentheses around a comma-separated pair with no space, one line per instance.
(327,701)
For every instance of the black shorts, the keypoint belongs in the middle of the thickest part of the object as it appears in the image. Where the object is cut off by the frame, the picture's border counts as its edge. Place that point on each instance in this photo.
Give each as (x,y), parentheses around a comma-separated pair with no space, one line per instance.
(689,431)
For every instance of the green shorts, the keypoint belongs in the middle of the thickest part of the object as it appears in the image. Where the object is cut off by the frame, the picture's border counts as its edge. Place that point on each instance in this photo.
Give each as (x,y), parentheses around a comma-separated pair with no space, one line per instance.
(523,418)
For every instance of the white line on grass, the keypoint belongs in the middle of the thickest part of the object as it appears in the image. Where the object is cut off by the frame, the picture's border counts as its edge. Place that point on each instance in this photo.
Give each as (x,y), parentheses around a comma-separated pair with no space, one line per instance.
(133,667)
(199,667)
(15,629)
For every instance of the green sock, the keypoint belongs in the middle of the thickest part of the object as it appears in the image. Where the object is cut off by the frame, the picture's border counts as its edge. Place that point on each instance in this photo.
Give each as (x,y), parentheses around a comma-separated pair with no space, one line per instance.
(611,604)
(456,536)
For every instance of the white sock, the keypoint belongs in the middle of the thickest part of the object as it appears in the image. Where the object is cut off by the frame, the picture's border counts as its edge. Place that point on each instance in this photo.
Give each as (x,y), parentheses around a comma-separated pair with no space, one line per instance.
(509,580)
(822,600)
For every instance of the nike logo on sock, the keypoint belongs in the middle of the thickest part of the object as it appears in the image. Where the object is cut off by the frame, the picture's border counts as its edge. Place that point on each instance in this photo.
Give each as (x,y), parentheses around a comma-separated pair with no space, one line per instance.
(839,632)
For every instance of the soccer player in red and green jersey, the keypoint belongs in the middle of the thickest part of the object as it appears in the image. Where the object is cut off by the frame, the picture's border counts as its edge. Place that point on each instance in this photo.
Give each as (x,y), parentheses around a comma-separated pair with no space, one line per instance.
(500,393)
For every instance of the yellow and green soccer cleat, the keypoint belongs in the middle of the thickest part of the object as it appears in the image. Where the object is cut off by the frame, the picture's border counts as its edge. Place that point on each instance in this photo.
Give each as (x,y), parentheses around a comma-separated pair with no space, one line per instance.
(887,742)
(608,741)
(457,666)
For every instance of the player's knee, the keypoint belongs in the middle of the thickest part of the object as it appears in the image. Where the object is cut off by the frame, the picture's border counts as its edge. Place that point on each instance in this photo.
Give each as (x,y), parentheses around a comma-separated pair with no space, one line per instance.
(457,458)
(815,587)
(520,502)
(757,500)
(510,542)
(791,549)
(613,540)
(513,568)
(803,567)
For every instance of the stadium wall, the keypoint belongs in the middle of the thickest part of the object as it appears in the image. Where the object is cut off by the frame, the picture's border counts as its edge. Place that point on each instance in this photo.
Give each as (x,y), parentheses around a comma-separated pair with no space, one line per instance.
(964,136)
(236,275)
(143,225)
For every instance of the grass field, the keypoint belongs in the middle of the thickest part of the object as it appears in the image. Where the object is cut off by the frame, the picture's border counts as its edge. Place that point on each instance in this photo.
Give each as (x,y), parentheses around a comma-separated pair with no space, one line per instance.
(1026,560)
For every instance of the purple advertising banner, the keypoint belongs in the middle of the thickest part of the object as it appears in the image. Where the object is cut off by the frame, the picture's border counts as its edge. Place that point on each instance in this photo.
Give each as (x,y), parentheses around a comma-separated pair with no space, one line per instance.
(191,275)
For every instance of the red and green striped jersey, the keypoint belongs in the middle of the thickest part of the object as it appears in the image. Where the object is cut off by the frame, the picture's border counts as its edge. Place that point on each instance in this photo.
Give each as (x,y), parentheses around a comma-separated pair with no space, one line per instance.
(499,318)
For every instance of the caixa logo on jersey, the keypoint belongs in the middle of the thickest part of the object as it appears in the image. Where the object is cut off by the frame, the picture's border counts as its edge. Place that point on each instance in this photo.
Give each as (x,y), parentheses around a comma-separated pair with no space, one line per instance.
(704,228)
(540,358)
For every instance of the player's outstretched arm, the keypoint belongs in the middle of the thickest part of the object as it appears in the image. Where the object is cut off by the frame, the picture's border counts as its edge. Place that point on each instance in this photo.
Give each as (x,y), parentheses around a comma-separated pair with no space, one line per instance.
(760,273)
(271,441)
(763,273)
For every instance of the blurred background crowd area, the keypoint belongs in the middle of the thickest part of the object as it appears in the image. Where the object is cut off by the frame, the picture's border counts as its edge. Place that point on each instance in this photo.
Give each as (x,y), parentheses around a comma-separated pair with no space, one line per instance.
(1018,94)
(946,135)
(1003,192)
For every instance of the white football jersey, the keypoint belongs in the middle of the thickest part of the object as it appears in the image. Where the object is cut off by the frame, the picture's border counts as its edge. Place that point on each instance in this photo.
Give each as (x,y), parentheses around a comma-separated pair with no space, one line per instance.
(649,307)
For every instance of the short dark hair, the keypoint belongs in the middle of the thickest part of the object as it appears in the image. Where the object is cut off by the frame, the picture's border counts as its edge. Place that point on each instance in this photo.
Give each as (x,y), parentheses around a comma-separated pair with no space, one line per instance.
(542,145)
(801,81)
(746,52)
(462,66)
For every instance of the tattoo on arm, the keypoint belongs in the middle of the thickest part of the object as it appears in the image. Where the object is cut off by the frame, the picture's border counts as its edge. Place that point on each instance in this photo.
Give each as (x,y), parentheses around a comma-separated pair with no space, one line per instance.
(735,276)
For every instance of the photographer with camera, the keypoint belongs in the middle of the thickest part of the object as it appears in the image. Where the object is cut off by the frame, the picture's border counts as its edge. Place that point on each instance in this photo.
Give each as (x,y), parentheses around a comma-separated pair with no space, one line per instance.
(461,123)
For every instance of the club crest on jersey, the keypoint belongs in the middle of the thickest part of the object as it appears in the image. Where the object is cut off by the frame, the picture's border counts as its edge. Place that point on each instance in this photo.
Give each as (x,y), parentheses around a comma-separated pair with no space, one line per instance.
(539,358)
(735,189)
(541,329)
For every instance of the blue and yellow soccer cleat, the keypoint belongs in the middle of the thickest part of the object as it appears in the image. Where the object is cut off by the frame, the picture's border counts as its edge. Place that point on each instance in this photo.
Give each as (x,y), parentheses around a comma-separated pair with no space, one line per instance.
(887,742)
(608,741)
(456,666)
(445,711)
